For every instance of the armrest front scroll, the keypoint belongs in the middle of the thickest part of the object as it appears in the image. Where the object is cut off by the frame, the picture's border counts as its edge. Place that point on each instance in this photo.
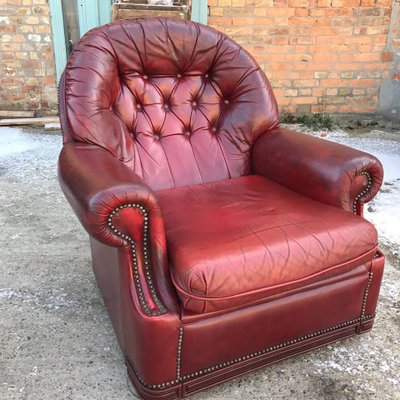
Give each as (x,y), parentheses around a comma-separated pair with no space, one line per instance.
(325,171)
(96,184)
(117,208)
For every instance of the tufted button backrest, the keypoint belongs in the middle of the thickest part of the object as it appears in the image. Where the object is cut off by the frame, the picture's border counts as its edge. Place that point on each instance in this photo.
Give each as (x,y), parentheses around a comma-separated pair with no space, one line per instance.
(178,102)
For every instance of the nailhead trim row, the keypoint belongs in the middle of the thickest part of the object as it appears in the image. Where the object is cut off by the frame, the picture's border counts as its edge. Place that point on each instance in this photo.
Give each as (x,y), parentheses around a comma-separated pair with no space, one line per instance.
(240,359)
(272,348)
(178,354)
(364,303)
(159,386)
(364,192)
(59,108)
(161,309)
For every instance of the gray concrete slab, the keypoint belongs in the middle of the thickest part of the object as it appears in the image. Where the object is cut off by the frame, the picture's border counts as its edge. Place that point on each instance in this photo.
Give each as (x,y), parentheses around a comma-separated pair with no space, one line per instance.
(56,340)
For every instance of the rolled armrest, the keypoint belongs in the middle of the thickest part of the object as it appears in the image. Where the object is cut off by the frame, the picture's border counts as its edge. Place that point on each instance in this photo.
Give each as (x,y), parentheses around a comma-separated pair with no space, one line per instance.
(325,171)
(97,185)
(117,208)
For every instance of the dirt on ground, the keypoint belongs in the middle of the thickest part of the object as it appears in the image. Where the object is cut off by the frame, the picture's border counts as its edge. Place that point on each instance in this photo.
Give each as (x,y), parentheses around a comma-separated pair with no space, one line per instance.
(56,340)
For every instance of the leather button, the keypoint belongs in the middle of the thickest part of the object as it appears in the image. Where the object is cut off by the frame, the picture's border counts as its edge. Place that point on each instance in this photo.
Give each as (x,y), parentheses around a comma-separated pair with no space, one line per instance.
(157,137)
(138,105)
(179,76)
(145,77)
(188,133)
(226,101)
(166,106)
(206,75)
(214,129)
(194,103)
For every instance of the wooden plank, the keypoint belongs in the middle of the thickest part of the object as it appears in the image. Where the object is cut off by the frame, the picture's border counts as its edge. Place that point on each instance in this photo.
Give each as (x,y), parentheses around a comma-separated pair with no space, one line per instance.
(122,14)
(16,114)
(140,8)
(55,126)
(28,121)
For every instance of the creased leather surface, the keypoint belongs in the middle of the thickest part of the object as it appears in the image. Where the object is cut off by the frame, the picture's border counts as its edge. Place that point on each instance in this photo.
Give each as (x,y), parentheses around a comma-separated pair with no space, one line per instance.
(325,171)
(245,238)
(96,183)
(177,102)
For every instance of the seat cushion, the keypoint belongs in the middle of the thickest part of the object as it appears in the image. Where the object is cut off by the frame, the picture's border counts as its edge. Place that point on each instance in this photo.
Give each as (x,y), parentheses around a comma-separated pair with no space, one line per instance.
(236,241)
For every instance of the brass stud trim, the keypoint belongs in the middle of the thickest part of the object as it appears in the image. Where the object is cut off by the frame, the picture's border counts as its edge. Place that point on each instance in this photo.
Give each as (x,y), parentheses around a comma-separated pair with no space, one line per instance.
(161,309)
(364,192)
(61,117)
(178,354)
(180,379)
(279,346)
(364,303)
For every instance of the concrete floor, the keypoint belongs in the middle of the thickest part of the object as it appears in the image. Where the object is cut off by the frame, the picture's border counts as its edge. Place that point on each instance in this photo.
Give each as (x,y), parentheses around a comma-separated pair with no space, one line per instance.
(56,340)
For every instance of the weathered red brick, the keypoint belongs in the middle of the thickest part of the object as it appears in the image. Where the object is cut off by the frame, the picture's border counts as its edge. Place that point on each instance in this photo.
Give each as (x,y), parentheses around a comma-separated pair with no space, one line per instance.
(387,56)
(23,57)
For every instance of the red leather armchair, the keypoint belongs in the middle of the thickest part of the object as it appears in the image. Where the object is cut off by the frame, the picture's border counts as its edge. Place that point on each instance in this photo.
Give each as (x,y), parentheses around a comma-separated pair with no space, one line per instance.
(220,241)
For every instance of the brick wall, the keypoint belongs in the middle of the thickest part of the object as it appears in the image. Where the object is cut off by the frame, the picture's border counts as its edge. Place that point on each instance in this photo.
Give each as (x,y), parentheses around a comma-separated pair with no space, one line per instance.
(319,55)
(27,80)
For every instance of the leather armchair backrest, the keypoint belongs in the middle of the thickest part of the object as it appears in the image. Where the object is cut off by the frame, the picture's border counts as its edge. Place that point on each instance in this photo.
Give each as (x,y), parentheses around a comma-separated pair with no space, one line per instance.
(178,102)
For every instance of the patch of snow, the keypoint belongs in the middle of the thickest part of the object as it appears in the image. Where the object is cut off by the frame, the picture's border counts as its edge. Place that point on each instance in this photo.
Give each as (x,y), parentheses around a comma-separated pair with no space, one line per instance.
(393,381)
(30,153)
(14,141)
(391,290)
(334,365)
(53,300)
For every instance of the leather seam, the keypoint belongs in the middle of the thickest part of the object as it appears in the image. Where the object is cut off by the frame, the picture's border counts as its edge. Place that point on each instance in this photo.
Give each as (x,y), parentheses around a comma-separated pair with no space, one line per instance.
(145,307)
(223,152)
(201,90)
(260,290)
(275,297)
(134,44)
(246,357)
(194,154)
